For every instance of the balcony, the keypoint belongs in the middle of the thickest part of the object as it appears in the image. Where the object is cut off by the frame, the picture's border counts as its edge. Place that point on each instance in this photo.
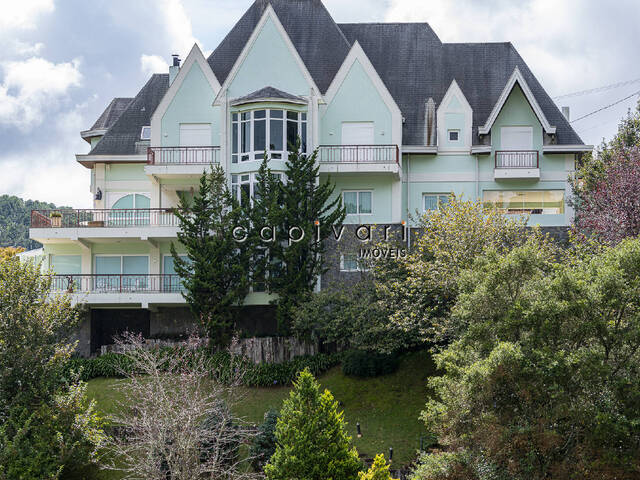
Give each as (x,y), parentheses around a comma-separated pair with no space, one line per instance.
(131,289)
(103,223)
(178,162)
(359,158)
(516,164)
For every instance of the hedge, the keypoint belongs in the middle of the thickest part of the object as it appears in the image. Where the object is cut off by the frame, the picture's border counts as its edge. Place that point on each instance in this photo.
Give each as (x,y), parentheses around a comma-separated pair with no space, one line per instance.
(222,364)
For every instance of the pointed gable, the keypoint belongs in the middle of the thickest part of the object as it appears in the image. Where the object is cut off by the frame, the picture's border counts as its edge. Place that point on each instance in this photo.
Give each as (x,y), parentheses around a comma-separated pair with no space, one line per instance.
(316,37)
(268,58)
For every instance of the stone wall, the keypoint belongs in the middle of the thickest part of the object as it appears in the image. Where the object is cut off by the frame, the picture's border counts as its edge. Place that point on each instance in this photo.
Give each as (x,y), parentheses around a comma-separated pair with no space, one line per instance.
(273,349)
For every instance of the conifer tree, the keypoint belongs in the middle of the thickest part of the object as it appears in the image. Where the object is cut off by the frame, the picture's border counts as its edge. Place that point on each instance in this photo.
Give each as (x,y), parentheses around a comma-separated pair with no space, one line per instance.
(300,206)
(311,442)
(214,274)
(379,470)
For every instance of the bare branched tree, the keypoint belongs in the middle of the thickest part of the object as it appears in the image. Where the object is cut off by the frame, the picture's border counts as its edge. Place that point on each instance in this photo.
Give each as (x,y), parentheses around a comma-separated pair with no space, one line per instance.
(175,421)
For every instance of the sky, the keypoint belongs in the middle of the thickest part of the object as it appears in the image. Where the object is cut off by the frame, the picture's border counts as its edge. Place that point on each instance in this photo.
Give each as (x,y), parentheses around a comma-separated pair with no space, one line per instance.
(62,61)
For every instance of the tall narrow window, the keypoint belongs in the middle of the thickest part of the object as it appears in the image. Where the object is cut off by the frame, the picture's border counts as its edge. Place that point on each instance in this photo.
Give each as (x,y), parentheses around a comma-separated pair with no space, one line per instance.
(277,133)
(245,133)
(259,133)
(234,138)
(292,130)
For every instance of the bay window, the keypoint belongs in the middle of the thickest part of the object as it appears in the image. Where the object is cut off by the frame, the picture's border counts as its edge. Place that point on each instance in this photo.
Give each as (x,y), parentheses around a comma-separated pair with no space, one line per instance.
(251,130)
(245,186)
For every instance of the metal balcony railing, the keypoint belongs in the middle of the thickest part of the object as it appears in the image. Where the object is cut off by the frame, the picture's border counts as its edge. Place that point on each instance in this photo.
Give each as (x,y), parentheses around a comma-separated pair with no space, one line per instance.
(517,159)
(117,283)
(359,154)
(96,218)
(183,155)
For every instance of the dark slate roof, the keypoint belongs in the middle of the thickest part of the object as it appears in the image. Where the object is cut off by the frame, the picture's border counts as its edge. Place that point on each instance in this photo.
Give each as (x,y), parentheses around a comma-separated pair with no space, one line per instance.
(415,65)
(124,134)
(268,92)
(318,40)
(111,113)
(409,57)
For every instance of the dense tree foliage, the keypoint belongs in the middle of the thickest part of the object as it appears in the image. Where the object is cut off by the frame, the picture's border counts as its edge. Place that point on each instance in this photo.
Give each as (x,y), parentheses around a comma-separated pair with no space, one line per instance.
(15,218)
(300,210)
(591,167)
(543,379)
(7,252)
(420,289)
(352,316)
(610,209)
(48,429)
(311,438)
(215,272)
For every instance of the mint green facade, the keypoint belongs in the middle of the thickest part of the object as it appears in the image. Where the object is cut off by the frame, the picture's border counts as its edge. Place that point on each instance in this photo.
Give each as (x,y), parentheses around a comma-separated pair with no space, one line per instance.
(357,100)
(269,62)
(191,104)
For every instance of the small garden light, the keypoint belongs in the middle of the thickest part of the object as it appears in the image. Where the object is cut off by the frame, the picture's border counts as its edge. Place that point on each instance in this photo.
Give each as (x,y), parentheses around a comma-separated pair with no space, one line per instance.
(390,454)
(358,430)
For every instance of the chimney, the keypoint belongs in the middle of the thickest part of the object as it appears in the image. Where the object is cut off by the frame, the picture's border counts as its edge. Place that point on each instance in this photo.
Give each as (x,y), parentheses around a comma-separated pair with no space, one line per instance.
(174,68)
(566,113)
(430,122)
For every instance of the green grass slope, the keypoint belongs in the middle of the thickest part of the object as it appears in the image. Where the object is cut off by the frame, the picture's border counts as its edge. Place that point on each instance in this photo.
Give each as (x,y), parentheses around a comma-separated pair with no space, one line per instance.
(387,407)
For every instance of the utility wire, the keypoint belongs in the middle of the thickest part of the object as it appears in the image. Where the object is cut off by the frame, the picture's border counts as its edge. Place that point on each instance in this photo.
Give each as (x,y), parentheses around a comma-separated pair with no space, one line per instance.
(598,89)
(604,108)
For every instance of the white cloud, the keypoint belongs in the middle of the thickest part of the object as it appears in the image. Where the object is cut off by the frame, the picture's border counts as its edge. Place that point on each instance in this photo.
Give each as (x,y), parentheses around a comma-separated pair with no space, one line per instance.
(32,86)
(23,48)
(153,64)
(177,25)
(22,14)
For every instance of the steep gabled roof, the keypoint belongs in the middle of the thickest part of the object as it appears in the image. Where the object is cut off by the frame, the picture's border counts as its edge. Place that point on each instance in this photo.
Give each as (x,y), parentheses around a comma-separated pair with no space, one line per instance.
(123,136)
(107,118)
(111,113)
(407,57)
(316,37)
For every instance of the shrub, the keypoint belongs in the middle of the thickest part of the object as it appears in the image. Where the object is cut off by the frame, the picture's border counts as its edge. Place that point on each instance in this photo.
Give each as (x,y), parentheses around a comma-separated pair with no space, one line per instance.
(222,365)
(358,363)
(379,470)
(264,444)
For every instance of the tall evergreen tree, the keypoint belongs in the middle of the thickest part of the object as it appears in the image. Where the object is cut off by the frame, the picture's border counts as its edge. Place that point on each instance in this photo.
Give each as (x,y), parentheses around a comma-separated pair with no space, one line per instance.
(311,442)
(215,273)
(300,208)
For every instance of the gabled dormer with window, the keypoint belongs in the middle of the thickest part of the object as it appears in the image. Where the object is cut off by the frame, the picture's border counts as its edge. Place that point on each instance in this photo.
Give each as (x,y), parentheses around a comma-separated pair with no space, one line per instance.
(517,126)
(454,121)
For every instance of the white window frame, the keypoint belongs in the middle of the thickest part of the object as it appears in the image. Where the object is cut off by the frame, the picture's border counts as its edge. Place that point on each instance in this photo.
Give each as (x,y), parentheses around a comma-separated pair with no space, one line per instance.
(253,155)
(358,192)
(146,128)
(456,131)
(359,265)
(433,194)
(121,255)
(520,129)
(113,197)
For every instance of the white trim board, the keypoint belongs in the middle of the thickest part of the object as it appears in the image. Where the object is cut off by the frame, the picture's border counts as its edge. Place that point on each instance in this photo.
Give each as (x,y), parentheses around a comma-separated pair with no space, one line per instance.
(357,53)
(195,56)
(516,76)
(269,13)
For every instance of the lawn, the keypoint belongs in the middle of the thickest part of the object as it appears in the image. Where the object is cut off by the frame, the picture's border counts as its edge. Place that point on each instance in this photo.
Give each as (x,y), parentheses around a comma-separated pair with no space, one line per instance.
(387,407)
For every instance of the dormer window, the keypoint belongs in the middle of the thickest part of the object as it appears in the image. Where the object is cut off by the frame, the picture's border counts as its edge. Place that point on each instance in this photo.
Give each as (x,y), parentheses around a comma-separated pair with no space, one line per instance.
(454,135)
(145,133)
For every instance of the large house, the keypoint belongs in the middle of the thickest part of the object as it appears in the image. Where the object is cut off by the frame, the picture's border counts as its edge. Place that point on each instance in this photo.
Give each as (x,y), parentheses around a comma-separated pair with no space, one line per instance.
(401,120)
